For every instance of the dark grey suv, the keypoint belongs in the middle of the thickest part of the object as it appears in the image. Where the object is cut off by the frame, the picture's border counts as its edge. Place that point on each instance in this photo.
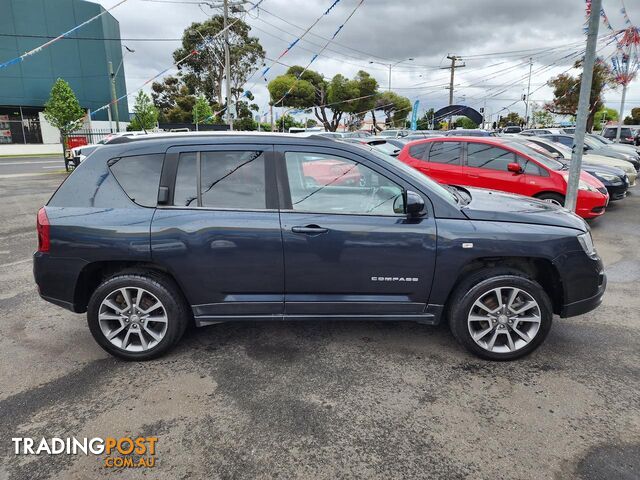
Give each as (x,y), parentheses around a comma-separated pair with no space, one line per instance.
(152,233)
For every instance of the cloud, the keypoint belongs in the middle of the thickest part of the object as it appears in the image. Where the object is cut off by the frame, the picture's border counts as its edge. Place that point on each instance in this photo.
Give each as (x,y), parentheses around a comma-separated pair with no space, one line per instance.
(387,32)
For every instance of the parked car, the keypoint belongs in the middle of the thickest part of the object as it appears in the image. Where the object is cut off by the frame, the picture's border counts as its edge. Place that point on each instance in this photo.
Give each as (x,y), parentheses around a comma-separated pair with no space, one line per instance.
(512,129)
(358,134)
(394,133)
(503,164)
(79,153)
(619,147)
(628,135)
(209,228)
(390,146)
(614,180)
(336,135)
(476,132)
(595,147)
(564,153)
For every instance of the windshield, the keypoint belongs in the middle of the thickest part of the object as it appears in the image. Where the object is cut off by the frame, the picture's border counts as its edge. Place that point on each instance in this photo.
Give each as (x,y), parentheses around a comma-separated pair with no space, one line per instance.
(533,151)
(600,138)
(420,178)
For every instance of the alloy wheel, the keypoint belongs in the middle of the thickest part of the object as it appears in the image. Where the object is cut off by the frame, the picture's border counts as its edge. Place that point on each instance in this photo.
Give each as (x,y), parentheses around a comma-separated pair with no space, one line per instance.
(504,319)
(133,319)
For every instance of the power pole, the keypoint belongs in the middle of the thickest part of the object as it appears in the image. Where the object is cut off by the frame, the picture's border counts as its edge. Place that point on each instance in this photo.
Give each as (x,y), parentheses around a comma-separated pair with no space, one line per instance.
(583,106)
(622,102)
(526,110)
(454,59)
(112,78)
(227,65)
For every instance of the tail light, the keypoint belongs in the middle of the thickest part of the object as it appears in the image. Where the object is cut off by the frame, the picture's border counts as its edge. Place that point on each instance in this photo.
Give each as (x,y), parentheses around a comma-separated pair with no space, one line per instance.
(44,241)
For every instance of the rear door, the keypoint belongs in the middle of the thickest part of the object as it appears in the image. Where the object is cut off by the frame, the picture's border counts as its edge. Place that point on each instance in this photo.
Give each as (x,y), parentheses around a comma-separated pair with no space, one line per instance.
(444,163)
(348,249)
(219,234)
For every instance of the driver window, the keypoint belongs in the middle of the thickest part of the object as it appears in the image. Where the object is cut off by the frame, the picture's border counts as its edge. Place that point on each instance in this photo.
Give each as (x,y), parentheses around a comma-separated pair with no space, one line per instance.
(324,183)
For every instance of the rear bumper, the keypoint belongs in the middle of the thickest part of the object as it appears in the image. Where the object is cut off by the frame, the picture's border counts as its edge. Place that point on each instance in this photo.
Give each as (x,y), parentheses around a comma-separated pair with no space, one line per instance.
(57,279)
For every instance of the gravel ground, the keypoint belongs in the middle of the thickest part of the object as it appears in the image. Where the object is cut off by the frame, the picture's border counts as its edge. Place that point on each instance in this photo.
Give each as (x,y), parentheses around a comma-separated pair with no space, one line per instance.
(324,401)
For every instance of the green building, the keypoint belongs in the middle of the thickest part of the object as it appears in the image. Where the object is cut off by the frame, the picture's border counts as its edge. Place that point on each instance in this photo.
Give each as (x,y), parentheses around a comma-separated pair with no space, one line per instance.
(82,59)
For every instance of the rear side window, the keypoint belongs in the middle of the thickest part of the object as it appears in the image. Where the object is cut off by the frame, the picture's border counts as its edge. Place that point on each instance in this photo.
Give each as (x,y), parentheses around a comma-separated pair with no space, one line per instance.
(221,179)
(445,152)
(418,151)
(481,155)
(139,177)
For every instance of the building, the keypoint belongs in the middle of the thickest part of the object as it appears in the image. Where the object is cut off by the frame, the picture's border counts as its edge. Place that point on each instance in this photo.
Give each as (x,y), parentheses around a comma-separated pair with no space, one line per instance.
(82,60)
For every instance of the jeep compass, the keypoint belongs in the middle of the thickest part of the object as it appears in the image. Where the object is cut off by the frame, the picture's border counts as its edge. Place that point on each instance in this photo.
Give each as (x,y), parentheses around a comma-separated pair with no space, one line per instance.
(152,233)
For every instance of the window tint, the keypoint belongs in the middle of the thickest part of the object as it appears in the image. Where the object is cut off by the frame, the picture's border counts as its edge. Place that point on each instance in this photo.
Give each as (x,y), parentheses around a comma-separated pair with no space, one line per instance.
(480,155)
(331,184)
(418,151)
(233,180)
(186,190)
(445,152)
(530,168)
(228,179)
(139,177)
(568,141)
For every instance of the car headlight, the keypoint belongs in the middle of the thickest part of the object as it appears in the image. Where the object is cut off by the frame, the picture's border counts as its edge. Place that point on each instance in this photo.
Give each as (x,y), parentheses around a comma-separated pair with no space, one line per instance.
(585,186)
(586,242)
(611,178)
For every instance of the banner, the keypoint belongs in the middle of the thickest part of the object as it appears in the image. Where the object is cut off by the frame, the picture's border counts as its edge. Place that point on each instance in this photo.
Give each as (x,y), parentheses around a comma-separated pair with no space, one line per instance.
(414,115)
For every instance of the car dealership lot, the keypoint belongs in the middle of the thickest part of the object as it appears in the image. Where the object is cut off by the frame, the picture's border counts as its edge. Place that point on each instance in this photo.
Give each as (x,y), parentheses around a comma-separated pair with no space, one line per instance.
(337,399)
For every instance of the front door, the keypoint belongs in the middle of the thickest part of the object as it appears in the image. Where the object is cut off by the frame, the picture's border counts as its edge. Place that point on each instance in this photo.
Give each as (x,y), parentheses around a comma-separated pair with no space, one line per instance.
(486,167)
(348,248)
(219,235)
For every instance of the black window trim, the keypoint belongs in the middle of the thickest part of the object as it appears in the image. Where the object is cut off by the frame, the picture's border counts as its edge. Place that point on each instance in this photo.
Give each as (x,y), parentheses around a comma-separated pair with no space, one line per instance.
(172,158)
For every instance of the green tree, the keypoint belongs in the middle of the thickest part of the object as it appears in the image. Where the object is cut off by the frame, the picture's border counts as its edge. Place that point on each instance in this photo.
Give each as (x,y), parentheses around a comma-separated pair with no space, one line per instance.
(330,100)
(424,122)
(395,107)
(542,118)
(146,114)
(606,114)
(311,123)
(244,119)
(286,122)
(62,110)
(466,123)
(512,118)
(634,118)
(566,92)
(174,99)
(202,112)
(204,71)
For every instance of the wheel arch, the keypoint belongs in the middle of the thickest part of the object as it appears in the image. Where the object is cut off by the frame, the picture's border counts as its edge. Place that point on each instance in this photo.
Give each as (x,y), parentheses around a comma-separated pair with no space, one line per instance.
(539,269)
(94,273)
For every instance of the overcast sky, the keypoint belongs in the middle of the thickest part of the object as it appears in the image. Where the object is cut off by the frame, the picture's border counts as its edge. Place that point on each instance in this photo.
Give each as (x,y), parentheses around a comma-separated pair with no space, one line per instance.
(384,31)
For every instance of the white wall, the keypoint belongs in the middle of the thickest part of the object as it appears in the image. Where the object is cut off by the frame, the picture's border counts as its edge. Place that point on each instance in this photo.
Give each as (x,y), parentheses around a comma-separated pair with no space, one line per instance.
(50,134)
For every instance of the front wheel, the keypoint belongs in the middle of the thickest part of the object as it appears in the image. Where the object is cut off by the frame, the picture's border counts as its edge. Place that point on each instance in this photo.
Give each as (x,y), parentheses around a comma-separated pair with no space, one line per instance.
(500,316)
(137,316)
(553,198)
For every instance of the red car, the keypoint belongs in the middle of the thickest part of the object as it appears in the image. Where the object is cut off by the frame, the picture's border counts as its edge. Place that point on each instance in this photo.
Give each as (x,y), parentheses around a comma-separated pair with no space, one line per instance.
(331,172)
(503,164)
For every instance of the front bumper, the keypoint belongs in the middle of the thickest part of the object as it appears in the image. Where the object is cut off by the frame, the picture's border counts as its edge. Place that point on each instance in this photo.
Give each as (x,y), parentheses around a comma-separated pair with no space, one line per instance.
(617,192)
(583,280)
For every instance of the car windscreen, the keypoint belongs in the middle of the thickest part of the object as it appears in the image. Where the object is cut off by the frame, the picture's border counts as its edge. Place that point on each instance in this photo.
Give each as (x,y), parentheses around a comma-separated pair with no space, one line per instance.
(534,152)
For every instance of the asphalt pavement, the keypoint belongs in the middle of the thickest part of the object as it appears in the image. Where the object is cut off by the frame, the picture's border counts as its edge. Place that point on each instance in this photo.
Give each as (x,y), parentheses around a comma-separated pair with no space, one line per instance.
(18,167)
(323,400)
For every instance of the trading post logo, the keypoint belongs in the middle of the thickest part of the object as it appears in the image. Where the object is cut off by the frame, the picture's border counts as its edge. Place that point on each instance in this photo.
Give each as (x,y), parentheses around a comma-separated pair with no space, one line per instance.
(122,452)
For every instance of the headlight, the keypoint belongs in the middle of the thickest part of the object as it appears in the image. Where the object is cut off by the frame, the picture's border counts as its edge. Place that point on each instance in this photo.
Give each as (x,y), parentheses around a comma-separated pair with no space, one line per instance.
(611,178)
(585,186)
(586,242)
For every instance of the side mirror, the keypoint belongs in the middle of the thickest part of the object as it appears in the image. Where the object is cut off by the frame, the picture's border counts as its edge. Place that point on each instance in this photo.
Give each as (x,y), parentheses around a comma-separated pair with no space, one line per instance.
(413,204)
(514,167)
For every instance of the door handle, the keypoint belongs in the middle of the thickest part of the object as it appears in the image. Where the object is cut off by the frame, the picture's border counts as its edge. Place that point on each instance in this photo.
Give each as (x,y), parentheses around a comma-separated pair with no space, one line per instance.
(309,230)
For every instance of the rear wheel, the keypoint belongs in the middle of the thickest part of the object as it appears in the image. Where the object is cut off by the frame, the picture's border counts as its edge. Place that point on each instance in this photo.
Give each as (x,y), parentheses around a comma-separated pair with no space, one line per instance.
(137,316)
(500,315)
(554,198)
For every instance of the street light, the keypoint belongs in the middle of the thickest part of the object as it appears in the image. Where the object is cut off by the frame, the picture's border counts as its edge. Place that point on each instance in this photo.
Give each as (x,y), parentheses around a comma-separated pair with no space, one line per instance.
(391,65)
(114,97)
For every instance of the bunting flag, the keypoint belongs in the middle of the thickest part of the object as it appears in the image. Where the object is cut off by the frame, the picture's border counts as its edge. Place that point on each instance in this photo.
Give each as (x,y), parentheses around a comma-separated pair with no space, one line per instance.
(316,55)
(195,51)
(21,58)
(264,72)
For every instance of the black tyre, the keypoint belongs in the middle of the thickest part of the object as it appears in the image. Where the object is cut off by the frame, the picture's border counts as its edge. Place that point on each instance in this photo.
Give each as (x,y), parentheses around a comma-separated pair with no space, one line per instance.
(500,314)
(551,197)
(137,316)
